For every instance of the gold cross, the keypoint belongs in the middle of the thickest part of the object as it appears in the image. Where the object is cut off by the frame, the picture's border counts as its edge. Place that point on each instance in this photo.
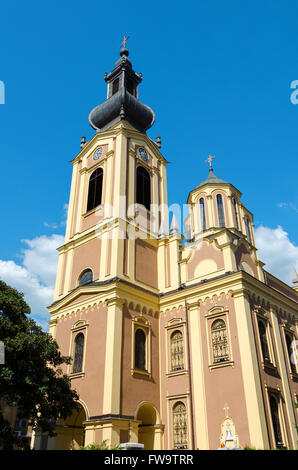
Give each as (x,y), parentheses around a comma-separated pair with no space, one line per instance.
(209,160)
(124,41)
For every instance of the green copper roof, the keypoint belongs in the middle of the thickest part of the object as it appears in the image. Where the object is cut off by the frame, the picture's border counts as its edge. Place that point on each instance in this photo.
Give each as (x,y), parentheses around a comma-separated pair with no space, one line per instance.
(212,179)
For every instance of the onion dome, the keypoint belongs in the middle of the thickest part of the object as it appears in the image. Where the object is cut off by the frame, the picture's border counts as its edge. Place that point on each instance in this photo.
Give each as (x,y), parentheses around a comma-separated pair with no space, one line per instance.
(122,99)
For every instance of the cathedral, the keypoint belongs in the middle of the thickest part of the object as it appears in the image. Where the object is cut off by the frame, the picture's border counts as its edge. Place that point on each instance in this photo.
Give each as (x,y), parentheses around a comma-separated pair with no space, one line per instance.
(178,341)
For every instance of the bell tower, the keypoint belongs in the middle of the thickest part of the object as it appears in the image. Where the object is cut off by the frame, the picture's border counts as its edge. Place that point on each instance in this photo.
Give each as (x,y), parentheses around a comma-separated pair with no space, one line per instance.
(118,186)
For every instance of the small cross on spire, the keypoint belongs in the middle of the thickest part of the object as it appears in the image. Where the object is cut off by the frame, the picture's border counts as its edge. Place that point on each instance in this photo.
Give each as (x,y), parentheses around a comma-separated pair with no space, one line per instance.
(124,41)
(209,160)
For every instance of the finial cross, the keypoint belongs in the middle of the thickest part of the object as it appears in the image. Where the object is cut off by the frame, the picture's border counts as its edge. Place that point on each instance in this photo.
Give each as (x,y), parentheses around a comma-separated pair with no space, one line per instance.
(124,41)
(209,160)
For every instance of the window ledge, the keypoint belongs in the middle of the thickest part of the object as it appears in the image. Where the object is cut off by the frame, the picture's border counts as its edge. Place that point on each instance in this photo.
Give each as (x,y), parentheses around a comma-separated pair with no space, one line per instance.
(76,375)
(269,365)
(173,373)
(218,365)
(92,210)
(140,372)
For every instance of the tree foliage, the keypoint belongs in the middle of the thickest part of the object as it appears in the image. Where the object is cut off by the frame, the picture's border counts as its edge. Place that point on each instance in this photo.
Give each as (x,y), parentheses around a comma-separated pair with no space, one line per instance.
(31,377)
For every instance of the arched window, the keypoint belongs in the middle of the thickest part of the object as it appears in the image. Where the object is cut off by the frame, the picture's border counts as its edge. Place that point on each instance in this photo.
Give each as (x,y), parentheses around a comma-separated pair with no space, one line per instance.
(95,189)
(140,350)
(143,187)
(289,341)
(202,214)
(177,353)
(275,422)
(248,230)
(219,340)
(78,353)
(180,438)
(86,277)
(264,342)
(235,213)
(220,211)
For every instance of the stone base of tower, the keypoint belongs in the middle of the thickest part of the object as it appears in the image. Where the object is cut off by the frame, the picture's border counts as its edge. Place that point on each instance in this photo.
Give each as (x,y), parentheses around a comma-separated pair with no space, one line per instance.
(115,431)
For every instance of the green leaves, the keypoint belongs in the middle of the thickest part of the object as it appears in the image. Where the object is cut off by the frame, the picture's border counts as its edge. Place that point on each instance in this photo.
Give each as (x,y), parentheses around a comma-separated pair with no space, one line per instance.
(31,376)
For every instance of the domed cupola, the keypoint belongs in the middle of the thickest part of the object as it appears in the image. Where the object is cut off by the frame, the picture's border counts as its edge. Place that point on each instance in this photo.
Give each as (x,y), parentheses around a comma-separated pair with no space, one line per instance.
(212,179)
(122,99)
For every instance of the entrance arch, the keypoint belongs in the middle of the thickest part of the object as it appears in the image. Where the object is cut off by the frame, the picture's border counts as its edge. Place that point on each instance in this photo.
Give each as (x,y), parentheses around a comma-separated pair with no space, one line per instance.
(150,429)
(70,432)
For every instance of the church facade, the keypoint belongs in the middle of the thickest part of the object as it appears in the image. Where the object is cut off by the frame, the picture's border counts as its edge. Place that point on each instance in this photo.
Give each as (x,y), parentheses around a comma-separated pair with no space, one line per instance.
(177,343)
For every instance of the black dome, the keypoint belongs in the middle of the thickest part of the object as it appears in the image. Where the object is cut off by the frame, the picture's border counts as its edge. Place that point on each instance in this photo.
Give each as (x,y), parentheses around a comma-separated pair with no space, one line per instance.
(122,101)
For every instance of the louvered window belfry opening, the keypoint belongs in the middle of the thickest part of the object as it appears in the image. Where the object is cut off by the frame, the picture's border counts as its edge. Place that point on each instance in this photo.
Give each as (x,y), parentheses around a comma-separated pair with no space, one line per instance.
(177,353)
(180,435)
(95,189)
(219,341)
(115,86)
(140,350)
(130,86)
(78,353)
(220,211)
(143,195)
(263,340)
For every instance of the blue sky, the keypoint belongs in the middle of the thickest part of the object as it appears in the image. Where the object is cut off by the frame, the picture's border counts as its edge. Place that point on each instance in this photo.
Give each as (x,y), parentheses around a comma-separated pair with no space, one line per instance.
(217,75)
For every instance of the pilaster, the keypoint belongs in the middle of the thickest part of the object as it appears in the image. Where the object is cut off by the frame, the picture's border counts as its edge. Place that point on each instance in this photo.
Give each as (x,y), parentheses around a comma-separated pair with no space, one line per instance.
(198,383)
(250,372)
(112,374)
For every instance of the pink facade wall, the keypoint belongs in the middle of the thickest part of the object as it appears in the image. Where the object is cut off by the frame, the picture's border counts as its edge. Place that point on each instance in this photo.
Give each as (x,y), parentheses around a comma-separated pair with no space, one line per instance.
(137,387)
(270,376)
(206,251)
(172,384)
(146,263)
(242,254)
(224,385)
(90,386)
(86,256)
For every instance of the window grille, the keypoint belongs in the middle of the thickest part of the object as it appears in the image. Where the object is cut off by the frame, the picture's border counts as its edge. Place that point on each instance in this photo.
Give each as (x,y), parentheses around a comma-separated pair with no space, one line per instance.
(180,437)
(219,341)
(177,353)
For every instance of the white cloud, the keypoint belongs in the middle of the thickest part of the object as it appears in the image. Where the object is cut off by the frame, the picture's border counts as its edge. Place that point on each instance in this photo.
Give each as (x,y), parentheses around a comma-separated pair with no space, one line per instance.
(35,276)
(62,223)
(277,251)
(287,205)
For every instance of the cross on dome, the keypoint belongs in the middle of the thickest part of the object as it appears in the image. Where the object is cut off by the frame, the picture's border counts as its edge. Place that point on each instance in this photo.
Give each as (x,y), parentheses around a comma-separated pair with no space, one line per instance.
(209,160)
